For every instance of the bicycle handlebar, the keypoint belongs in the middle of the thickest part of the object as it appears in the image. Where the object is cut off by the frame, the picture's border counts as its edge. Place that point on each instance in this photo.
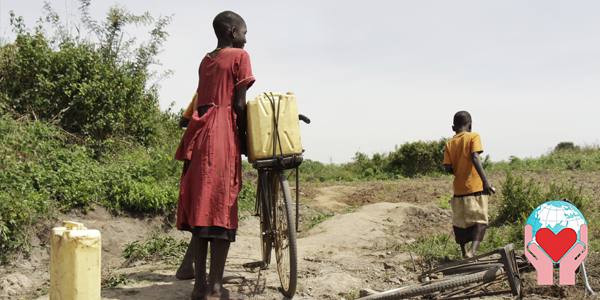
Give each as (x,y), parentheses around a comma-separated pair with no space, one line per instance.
(304,118)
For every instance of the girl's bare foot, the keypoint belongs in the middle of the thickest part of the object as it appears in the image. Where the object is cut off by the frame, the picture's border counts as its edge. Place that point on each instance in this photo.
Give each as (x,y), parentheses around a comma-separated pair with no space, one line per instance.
(223,294)
(199,294)
(185,272)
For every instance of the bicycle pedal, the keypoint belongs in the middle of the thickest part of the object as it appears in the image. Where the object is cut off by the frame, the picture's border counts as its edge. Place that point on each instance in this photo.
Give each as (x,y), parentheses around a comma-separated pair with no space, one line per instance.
(255,265)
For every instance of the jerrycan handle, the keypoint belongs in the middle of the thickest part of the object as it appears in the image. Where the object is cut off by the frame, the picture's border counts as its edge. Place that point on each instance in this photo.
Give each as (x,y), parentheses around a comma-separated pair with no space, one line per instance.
(72,225)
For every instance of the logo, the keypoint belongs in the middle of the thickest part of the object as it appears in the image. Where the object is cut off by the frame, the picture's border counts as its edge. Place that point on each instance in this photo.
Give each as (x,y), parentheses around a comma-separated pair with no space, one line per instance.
(556,236)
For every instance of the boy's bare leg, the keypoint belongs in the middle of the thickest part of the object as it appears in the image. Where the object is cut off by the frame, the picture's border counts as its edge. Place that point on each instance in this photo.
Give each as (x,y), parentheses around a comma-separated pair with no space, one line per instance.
(465,253)
(186,269)
(200,250)
(474,246)
(218,256)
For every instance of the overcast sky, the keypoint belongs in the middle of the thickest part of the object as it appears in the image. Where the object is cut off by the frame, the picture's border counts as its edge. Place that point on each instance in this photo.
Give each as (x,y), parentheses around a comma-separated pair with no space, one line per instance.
(375,74)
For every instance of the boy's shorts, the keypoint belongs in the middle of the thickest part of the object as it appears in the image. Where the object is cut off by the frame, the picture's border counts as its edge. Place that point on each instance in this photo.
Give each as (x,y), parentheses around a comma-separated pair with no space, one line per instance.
(469,210)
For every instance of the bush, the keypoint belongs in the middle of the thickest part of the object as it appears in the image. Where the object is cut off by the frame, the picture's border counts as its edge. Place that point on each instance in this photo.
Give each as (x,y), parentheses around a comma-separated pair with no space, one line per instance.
(417,158)
(566,146)
(99,89)
(42,170)
(80,122)
(521,197)
(315,171)
(565,156)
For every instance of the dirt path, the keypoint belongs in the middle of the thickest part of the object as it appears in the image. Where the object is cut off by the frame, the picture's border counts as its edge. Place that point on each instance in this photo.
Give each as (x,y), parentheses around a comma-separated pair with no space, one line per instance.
(336,258)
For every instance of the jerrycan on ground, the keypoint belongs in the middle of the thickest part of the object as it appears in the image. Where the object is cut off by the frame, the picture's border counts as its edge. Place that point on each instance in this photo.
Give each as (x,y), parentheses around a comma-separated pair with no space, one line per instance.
(75,263)
(266,112)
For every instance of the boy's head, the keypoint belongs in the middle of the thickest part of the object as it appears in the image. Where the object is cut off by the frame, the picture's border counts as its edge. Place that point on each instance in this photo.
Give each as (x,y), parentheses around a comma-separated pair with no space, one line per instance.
(230,28)
(462,121)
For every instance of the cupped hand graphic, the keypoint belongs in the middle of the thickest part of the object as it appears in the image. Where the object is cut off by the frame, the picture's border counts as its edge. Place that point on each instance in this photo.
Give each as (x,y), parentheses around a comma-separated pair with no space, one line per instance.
(538,258)
(571,261)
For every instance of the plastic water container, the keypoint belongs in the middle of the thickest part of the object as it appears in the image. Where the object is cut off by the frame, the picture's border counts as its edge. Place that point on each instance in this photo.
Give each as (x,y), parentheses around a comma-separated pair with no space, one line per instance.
(262,112)
(75,268)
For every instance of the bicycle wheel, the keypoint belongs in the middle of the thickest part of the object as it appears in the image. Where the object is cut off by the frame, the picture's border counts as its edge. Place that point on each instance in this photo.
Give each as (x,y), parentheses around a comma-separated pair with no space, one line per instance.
(264,211)
(438,286)
(285,234)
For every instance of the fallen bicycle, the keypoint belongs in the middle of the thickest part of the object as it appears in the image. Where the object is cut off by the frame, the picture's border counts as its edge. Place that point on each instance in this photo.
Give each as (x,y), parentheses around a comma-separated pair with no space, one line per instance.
(483,275)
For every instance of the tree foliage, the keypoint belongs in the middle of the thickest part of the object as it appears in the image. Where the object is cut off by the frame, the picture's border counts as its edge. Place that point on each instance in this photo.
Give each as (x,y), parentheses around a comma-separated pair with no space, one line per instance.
(94,82)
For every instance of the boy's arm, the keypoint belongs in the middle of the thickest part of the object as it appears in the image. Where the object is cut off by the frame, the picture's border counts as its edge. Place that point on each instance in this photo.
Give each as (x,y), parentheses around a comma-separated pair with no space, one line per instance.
(487,188)
(447,162)
(240,111)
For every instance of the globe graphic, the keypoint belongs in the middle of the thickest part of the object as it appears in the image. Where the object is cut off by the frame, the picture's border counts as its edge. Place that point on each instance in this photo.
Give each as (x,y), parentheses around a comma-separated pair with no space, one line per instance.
(556,215)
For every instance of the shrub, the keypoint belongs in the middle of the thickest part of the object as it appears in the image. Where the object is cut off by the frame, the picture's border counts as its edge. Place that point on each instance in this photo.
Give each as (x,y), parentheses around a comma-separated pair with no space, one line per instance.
(521,197)
(563,157)
(99,89)
(565,146)
(312,171)
(42,170)
(417,158)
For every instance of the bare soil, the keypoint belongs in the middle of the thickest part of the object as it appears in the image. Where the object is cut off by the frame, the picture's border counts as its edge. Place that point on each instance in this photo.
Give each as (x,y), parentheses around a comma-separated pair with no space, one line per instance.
(351,238)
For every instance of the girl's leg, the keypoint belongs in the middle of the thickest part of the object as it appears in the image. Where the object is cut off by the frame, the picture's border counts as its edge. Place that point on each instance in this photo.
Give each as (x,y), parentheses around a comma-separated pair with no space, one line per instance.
(218,255)
(200,250)
(186,269)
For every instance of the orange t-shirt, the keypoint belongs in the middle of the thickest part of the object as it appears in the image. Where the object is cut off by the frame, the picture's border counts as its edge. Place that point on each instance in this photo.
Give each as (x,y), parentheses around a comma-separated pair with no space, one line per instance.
(458,154)
(189,111)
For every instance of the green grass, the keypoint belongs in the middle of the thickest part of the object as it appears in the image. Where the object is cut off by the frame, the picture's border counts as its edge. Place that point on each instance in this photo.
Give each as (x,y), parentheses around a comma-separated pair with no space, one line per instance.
(115,280)
(444,201)
(519,196)
(318,219)
(576,158)
(247,197)
(44,170)
(158,247)
(434,248)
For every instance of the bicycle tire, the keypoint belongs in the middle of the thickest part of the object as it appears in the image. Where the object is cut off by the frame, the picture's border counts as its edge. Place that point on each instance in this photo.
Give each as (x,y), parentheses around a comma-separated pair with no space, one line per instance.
(438,286)
(468,269)
(262,196)
(285,235)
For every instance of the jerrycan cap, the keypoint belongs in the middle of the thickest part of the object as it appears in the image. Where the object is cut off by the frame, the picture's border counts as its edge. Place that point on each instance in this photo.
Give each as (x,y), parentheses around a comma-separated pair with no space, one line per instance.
(72,225)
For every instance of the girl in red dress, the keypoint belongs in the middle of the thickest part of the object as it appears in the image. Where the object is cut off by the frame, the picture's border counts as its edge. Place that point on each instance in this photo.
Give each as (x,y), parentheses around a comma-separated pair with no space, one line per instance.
(211,149)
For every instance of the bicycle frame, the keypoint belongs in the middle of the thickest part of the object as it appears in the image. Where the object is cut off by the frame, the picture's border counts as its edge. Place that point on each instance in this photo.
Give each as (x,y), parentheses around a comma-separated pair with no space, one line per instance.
(281,164)
(507,262)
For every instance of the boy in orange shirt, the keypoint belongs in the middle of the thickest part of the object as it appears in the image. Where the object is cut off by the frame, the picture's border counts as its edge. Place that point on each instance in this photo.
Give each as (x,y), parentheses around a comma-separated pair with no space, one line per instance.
(471,187)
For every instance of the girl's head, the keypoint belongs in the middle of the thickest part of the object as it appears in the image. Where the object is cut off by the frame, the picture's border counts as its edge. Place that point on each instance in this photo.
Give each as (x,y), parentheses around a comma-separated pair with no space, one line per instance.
(230,29)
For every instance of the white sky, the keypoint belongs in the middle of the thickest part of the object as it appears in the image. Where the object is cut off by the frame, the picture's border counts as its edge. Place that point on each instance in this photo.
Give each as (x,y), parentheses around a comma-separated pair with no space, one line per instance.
(372,75)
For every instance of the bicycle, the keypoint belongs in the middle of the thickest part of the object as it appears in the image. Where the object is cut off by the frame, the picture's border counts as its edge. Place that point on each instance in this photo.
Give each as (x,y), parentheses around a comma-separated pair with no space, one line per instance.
(274,208)
(466,278)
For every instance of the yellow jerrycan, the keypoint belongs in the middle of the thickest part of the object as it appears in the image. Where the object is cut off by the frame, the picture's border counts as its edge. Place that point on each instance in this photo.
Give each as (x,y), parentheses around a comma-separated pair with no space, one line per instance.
(75,269)
(263,114)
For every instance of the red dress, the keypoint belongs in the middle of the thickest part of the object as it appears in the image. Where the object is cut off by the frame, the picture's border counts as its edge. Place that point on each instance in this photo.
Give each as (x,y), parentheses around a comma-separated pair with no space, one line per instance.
(209,188)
